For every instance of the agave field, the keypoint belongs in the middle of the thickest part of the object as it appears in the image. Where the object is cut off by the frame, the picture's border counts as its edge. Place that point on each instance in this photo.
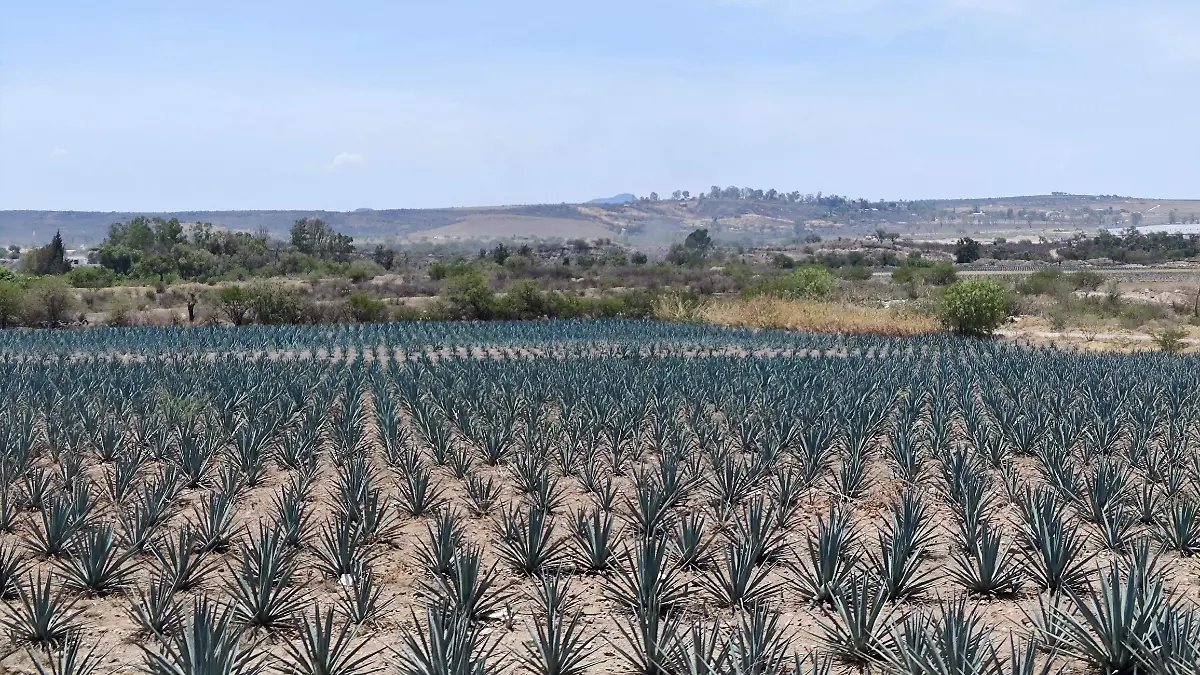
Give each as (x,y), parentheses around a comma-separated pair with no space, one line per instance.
(592,497)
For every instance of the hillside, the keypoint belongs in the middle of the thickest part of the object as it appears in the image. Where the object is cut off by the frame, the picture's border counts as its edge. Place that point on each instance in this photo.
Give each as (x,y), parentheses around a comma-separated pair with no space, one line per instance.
(658,222)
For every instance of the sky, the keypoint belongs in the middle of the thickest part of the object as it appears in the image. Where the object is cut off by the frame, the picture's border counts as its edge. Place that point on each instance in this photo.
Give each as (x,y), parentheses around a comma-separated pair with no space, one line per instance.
(172,105)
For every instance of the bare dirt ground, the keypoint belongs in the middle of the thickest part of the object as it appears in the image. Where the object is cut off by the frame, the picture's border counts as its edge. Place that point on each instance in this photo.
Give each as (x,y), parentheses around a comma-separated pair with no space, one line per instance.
(503,226)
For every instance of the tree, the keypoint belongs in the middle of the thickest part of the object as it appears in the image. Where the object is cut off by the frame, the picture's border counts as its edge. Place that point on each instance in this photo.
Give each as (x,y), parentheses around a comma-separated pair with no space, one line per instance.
(384,257)
(313,236)
(500,253)
(677,195)
(699,241)
(653,196)
(235,303)
(119,259)
(638,258)
(12,299)
(48,260)
(156,266)
(974,307)
(470,296)
(687,194)
(966,251)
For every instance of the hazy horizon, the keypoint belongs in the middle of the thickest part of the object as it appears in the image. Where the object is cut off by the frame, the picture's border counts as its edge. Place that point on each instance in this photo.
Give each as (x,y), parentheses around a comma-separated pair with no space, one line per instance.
(141,106)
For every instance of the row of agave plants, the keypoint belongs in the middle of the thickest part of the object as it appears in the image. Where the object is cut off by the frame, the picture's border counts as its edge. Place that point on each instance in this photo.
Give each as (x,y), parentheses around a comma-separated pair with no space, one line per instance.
(707,496)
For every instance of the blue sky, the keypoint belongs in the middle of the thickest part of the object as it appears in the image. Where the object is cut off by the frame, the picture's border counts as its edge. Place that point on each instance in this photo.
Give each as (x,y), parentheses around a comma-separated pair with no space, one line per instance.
(171,105)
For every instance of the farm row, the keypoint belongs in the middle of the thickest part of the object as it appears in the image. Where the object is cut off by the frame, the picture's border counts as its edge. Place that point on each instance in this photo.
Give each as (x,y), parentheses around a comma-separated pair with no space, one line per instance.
(589,498)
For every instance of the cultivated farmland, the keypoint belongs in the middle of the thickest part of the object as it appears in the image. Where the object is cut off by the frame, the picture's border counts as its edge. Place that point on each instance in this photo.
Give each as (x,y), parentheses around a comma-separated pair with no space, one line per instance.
(592,497)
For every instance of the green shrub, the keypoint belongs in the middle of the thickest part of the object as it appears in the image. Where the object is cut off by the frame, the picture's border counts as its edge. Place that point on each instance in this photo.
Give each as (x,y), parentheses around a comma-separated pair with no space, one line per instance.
(363,270)
(7,274)
(12,301)
(444,270)
(365,309)
(91,277)
(407,313)
(1136,315)
(49,301)
(855,272)
(1170,340)
(783,261)
(941,274)
(234,302)
(1043,282)
(1085,280)
(469,296)
(974,307)
(276,304)
(920,270)
(807,281)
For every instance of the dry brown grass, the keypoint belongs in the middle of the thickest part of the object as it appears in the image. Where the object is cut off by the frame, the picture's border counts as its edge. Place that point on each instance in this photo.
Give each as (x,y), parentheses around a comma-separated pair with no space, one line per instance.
(818,317)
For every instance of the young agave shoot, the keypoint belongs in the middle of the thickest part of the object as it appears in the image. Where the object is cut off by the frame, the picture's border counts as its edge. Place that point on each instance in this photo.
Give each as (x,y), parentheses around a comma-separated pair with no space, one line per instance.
(690,541)
(208,641)
(482,494)
(759,643)
(472,591)
(857,630)
(445,536)
(156,609)
(447,643)
(45,617)
(557,644)
(362,602)
(986,565)
(527,540)
(646,579)
(419,495)
(263,596)
(594,539)
(323,649)
(830,558)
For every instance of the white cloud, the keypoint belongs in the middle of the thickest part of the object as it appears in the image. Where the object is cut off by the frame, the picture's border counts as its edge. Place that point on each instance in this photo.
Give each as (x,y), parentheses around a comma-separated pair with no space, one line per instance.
(57,153)
(344,159)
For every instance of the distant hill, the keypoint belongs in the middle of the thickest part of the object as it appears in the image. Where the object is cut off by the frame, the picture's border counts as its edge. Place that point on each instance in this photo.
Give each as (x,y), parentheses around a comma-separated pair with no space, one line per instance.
(652,223)
(623,198)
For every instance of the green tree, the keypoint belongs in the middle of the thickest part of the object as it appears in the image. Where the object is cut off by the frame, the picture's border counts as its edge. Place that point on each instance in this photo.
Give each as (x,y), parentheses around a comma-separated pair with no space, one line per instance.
(234,302)
(699,241)
(48,260)
(638,258)
(384,257)
(119,258)
(966,251)
(470,296)
(974,307)
(313,236)
(783,261)
(91,277)
(156,266)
